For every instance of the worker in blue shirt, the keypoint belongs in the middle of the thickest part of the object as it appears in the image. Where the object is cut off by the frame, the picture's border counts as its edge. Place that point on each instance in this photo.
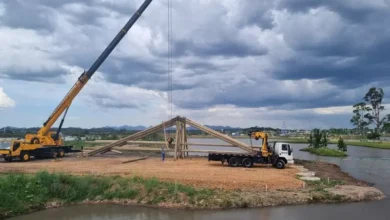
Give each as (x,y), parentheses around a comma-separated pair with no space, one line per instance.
(162,153)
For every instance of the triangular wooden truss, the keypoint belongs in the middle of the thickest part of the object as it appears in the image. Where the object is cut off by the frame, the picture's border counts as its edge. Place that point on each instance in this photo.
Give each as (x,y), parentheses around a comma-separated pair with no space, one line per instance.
(180,142)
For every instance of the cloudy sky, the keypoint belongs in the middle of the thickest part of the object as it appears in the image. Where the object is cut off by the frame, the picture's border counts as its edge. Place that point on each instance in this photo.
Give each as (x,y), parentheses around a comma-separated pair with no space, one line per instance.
(235,62)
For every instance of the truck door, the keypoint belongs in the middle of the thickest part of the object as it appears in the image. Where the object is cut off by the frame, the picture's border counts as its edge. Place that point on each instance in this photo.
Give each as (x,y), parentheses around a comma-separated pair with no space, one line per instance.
(285,149)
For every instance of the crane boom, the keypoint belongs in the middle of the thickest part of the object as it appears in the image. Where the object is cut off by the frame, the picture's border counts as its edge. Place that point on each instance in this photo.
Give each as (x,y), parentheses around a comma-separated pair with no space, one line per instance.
(85,76)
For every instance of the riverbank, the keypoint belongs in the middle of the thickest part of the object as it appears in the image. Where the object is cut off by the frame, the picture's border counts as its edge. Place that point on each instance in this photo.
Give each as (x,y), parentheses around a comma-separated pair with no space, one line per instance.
(22,193)
(324,151)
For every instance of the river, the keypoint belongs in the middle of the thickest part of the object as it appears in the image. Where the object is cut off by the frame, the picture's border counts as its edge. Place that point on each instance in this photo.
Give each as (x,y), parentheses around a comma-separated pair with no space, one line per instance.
(372,165)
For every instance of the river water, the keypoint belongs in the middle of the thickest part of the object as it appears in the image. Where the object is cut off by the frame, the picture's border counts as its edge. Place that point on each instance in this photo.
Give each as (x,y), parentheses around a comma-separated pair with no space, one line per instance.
(372,165)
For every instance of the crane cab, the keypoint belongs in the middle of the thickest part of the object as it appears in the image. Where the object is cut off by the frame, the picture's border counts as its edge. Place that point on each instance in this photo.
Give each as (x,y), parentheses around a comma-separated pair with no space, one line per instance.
(283,150)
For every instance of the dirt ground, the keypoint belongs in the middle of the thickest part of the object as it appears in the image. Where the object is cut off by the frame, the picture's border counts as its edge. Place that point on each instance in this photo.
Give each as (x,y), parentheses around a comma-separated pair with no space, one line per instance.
(328,170)
(198,172)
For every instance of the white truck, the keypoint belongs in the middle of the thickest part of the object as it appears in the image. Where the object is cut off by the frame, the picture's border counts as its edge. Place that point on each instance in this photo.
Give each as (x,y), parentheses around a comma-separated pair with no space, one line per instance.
(278,155)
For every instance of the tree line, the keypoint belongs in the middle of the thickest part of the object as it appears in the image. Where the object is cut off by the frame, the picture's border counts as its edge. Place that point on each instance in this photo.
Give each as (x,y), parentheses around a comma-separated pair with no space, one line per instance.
(369,112)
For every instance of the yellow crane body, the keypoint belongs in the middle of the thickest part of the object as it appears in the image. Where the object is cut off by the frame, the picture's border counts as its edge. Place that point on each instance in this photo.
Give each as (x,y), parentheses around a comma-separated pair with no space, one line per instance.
(264,147)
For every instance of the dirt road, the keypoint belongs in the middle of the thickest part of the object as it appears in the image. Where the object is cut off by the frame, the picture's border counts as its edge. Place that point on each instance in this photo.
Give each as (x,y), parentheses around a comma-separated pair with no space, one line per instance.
(193,171)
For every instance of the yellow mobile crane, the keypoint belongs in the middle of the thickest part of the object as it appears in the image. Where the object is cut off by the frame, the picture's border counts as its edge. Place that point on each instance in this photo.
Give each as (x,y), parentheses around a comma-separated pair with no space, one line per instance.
(50,143)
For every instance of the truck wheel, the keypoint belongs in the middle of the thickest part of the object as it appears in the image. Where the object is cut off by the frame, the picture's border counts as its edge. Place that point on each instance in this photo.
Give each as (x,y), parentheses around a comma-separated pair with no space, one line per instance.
(7,158)
(233,162)
(25,156)
(53,153)
(61,153)
(280,164)
(248,163)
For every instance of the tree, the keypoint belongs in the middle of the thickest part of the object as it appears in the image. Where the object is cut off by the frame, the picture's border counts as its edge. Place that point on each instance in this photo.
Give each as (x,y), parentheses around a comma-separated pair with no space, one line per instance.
(317,138)
(373,135)
(341,145)
(310,140)
(374,96)
(358,119)
(386,124)
(324,140)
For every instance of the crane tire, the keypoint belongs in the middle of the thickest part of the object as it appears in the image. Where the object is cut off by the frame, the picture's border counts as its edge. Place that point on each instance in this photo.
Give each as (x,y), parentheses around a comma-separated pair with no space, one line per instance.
(7,158)
(35,140)
(60,153)
(25,156)
(234,162)
(247,162)
(53,153)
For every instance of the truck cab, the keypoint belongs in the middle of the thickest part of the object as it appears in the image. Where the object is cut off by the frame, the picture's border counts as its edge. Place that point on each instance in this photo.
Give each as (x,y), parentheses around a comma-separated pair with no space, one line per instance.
(283,151)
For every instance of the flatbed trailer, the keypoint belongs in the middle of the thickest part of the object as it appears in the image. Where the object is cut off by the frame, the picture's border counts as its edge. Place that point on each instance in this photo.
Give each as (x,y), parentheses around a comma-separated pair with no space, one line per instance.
(281,155)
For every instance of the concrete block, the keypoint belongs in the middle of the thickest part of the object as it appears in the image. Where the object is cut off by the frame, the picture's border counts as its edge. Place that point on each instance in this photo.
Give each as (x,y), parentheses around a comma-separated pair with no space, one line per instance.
(307,174)
(303,169)
(310,178)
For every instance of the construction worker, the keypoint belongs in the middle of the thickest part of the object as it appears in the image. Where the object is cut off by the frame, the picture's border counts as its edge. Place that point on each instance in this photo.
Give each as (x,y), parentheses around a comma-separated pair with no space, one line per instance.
(162,153)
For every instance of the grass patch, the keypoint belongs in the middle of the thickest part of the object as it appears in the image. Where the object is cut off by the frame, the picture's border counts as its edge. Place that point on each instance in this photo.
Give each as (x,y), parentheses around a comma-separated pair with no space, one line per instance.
(324,151)
(318,192)
(22,193)
(380,145)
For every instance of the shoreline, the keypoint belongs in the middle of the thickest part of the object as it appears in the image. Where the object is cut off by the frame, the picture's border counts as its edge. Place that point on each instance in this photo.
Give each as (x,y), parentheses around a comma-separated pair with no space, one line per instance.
(340,188)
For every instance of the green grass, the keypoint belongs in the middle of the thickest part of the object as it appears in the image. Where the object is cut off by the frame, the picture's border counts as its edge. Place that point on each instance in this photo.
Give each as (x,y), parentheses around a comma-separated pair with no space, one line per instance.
(380,145)
(324,151)
(22,193)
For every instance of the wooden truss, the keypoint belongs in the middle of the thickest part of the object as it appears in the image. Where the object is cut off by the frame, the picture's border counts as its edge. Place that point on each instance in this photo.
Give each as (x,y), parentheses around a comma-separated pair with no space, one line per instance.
(180,142)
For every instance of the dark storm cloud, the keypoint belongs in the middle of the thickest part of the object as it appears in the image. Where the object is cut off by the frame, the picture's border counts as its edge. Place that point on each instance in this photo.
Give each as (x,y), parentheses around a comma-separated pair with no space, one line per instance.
(48,76)
(204,67)
(223,47)
(257,13)
(357,73)
(108,102)
(255,97)
(26,14)
(349,51)
(353,10)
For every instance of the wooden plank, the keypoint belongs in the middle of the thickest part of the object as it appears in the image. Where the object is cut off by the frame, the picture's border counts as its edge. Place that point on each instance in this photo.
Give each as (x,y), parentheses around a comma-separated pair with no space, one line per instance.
(209,145)
(223,137)
(134,160)
(152,149)
(116,151)
(101,141)
(166,139)
(177,138)
(185,137)
(135,136)
(147,142)
(220,152)
(182,131)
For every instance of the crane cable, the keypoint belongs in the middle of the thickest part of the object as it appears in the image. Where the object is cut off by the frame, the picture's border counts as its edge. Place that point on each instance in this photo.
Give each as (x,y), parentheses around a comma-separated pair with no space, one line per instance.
(169,40)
